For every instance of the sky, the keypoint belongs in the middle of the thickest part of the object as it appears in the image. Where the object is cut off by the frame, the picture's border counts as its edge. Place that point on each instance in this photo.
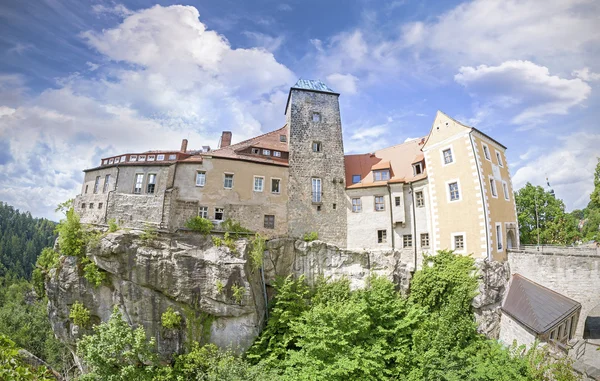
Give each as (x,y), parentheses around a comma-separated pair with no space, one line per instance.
(81,80)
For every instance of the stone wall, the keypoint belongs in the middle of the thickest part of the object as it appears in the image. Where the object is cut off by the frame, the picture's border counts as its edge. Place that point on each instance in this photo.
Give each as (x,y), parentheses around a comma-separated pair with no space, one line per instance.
(136,210)
(571,272)
(328,218)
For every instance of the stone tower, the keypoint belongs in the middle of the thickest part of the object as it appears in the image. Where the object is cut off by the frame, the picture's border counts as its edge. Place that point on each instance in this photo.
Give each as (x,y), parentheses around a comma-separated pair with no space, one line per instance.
(316,189)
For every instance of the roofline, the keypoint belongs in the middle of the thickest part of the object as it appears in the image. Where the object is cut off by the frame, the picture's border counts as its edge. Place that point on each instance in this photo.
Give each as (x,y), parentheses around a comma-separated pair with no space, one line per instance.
(133,164)
(389,182)
(311,90)
(552,326)
(244,141)
(240,159)
(489,137)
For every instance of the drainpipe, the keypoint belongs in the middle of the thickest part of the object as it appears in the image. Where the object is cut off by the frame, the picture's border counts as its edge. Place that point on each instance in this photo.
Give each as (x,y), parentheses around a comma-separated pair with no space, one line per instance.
(391,218)
(414,220)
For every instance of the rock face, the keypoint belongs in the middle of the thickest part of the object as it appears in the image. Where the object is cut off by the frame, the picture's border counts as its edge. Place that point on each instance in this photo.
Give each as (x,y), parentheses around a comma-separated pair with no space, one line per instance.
(493,283)
(185,272)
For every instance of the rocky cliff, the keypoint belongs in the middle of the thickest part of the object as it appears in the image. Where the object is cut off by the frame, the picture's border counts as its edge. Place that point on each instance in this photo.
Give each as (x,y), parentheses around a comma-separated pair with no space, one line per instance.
(219,295)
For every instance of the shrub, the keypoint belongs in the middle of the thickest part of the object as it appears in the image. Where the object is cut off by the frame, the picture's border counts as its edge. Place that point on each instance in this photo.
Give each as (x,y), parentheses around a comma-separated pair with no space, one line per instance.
(48,259)
(71,236)
(312,236)
(234,228)
(217,241)
(112,225)
(238,293)
(220,286)
(200,225)
(257,252)
(92,273)
(79,314)
(12,366)
(149,233)
(170,319)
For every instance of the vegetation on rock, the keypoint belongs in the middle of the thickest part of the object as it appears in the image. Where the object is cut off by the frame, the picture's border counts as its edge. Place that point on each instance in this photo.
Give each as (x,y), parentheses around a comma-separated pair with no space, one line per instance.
(257,252)
(200,225)
(79,314)
(170,319)
(312,236)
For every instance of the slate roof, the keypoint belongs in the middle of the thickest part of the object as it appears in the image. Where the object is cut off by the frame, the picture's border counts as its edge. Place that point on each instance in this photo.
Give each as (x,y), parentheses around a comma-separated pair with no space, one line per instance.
(312,84)
(535,306)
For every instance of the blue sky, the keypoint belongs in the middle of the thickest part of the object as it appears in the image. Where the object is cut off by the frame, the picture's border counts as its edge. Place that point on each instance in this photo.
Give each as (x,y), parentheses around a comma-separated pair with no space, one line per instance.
(80,80)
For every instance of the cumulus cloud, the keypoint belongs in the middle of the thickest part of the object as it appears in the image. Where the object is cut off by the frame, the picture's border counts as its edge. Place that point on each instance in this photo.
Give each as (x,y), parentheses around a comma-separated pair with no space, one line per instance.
(343,83)
(586,75)
(524,86)
(569,166)
(164,77)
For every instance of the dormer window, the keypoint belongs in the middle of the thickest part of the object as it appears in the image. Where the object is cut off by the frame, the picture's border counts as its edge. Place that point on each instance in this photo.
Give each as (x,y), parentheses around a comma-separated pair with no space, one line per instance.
(255,151)
(142,158)
(151,157)
(381,175)
(355,179)
(105,162)
(282,138)
(418,168)
(267,152)
(133,158)
(110,161)
(172,157)
(316,117)
(276,153)
(160,157)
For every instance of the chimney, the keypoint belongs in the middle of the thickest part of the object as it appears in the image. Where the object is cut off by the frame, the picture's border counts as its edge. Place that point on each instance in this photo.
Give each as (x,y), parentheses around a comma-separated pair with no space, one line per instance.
(184,145)
(225,139)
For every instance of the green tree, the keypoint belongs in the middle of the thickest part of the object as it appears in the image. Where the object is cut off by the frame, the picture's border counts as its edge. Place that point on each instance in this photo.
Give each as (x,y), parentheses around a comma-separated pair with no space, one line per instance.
(13,368)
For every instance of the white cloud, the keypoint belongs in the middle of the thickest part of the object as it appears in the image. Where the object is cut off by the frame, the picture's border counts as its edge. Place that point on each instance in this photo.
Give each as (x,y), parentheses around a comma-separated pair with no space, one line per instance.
(586,75)
(569,168)
(525,87)
(343,83)
(270,43)
(178,80)
(117,9)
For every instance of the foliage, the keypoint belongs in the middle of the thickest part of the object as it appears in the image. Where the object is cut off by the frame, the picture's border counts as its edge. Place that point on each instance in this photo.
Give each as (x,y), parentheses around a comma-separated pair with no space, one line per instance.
(48,260)
(312,236)
(234,228)
(170,319)
(12,366)
(258,250)
(200,225)
(112,225)
(229,241)
(118,352)
(71,235)
(217,241)
(238,293)
(92,273)
(220,286)
(22,238)
(149,233)
(79,314)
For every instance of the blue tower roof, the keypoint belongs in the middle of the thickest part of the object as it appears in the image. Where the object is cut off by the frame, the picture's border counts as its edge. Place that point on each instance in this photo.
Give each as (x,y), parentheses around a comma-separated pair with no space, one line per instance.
(312,84)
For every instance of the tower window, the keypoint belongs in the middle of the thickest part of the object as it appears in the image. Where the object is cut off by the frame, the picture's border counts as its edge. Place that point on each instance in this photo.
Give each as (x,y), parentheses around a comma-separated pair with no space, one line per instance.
(447,153)
(316,190)
(316,146)
(454,192)
(486,152)
(316,117)
(493,187)
(459,242)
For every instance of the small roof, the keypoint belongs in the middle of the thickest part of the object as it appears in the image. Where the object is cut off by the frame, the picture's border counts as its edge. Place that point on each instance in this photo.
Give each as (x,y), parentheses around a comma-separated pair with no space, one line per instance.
(535,306)
(381,165)
(312,84)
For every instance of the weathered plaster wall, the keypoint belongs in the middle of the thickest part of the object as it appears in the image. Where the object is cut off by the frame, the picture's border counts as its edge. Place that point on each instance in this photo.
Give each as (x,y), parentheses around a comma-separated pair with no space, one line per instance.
(511,330)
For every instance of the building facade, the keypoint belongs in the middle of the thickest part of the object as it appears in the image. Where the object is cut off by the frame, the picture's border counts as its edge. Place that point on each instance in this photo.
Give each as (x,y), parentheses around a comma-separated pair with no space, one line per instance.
(448,190)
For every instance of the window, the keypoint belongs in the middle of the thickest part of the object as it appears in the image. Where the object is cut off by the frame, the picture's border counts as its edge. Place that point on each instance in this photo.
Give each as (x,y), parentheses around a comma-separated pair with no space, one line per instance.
(447,153)
(316,117)
(96,184)
(123,158)
(139,180)
(276,153)
(267,152)
(269,221)
(172,157)
(316,190)
(86,188)
(424,239)
(419,200)
(200,178)
(83,205)
(142,158)
(258,183)
(486,152)
(105,162)
(151,183)
(316,146)
(228,182)
(116,160)
(151,157)
(381,236)
(397,201)
(499,159)
(407,240)
(111,161)
(282,138)
(505,190)
(454,192)
(379,203)
(255,151)
(203,211)
(91,205)
(133,158)
(493,188)
(381,175)
(219,214)
(99,205)
(275,186)
(417,169)
(106,182)
(356,205)
(459,242)
(160,157)
(499,236)
(355,179)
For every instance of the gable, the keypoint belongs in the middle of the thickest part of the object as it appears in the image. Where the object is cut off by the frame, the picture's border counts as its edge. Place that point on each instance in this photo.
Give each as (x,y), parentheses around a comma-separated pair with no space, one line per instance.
(443,128)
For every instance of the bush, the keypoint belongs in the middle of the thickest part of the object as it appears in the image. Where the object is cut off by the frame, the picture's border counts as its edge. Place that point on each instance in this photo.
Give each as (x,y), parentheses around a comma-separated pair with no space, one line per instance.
(238,293)
(79,315)
(234,228)
(71,236)
(112,225)
(312,236)
(92,273)
(12,366)
(149,233)
(257,252)
(217,241)
(48,259)
(220,286)
(170,319)
(200,225)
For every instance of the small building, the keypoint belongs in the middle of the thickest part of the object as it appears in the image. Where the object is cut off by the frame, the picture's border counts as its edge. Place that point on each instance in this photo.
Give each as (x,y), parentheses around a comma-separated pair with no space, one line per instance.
(531,311)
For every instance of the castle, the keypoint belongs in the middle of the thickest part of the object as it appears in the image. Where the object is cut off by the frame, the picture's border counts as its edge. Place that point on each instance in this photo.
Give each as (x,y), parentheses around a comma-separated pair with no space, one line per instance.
(450,189)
